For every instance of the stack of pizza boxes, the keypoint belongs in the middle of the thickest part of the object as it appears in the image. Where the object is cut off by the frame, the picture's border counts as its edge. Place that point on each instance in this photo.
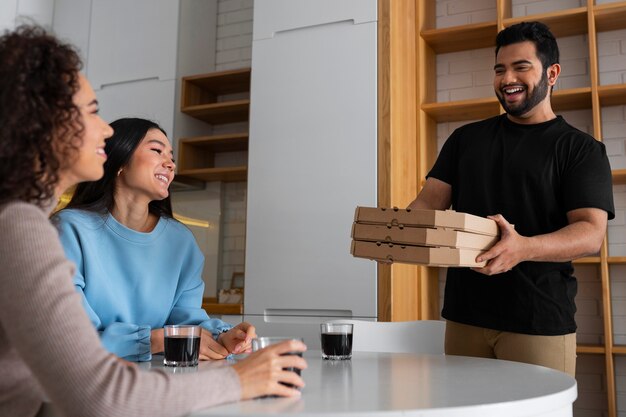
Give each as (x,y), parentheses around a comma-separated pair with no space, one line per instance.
(425,237)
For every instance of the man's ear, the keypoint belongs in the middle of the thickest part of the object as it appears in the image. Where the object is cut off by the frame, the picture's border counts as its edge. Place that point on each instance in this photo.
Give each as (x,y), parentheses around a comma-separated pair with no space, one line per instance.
(553,73)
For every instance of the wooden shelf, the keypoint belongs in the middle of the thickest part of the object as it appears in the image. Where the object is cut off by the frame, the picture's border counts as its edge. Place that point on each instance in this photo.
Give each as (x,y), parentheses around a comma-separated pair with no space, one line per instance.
(196,157)
(610,16)
(612,95)
(481,108)
(616,260)
(461,38)
(221,82)
(587,260)
(226,174)
(572,99)
(212,307)
(218,143)
(202,97)
(619,350)
(561,23)
(619,176)
(593,349)
(455,111)
(224,112)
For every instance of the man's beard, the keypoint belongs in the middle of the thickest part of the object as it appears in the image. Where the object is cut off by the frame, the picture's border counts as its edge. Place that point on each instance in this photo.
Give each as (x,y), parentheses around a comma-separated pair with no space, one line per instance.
(540,91)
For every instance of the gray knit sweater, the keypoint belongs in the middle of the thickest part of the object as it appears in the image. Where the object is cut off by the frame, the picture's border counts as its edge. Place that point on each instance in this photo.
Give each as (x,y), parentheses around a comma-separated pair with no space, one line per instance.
(48,345)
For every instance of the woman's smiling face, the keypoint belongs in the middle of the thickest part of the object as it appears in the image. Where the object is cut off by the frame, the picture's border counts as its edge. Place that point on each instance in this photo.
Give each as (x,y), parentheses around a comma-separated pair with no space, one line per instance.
(150,169)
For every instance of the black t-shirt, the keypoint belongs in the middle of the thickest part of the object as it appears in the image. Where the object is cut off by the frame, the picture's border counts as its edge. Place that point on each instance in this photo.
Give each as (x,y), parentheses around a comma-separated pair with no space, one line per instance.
(532,175)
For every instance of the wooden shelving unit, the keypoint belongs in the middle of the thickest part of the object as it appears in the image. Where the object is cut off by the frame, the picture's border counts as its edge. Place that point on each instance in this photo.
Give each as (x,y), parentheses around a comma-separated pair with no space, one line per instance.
(206,97)
(562,23)
(415,48)
(478,35)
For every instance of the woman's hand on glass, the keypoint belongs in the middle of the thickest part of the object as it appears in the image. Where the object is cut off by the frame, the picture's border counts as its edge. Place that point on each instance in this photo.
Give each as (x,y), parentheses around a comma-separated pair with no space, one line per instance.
(262,372)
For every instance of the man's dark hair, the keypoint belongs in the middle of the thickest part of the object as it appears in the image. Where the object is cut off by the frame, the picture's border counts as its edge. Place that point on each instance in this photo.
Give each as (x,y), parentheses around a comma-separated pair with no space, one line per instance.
(535,32)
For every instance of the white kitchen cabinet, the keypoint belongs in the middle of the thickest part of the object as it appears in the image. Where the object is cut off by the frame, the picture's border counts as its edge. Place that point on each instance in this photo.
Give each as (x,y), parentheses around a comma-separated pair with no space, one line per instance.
(312,160)
(16,12)
(150,99)
(71,23)
(132,40)
(274,16)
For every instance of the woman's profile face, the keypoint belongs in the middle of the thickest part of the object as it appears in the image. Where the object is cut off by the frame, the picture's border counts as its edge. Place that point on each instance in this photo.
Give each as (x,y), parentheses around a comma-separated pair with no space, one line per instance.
(88,163)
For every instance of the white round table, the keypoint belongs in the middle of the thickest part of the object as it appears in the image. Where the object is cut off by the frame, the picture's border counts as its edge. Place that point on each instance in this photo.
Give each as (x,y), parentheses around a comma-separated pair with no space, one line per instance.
(400,384)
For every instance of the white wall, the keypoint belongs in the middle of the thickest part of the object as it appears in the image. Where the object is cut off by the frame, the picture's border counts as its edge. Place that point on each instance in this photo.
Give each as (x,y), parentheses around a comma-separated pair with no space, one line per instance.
(15,12)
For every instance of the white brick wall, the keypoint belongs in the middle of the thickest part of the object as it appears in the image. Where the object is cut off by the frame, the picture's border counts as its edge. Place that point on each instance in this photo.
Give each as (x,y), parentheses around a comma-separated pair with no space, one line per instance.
(620,385)
(589,305)
(614,135)
(465,75)
(612,57)
(469,74)
(233,51)
(530,7)
(617,226)
(591,378)
(234,34)
(233,230)
(462,12)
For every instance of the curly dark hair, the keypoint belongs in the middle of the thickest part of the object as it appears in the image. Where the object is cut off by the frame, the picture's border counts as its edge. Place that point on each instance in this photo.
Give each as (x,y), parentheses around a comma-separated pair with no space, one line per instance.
(40,126)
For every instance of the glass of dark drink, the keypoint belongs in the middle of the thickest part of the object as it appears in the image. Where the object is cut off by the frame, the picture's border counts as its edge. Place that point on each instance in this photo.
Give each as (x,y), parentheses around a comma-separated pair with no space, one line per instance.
(336,341)
(182,345)
(263,342)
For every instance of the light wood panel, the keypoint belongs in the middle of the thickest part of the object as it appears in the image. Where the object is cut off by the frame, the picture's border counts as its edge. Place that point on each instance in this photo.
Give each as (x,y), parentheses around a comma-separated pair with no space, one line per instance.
(225,112)
(610,16)
(397,285)
(460,38)
(226,174)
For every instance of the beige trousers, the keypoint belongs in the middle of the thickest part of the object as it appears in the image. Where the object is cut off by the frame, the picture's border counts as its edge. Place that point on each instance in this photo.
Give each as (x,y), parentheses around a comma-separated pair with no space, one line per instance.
(557,352)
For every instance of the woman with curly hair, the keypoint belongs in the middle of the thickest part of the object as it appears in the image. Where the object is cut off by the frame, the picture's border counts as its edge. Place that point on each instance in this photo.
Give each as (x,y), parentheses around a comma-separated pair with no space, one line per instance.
(51,138)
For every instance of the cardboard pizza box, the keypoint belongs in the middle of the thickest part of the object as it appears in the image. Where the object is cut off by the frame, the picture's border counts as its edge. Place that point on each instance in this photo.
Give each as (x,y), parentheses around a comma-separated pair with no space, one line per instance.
(421,255)
(448,219)
(422,236)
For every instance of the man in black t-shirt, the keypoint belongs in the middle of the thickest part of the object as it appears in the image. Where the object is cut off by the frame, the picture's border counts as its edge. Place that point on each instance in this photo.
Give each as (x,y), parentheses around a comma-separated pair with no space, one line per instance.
(548,186)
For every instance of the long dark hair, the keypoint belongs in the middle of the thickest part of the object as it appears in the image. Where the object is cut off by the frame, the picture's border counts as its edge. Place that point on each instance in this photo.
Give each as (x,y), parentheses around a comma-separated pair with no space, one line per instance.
(40,126)
(98,196)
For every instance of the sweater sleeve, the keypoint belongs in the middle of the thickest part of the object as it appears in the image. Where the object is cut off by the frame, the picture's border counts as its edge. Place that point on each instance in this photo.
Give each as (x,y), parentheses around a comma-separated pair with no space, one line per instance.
(41,317)
(127,340)
(188,305)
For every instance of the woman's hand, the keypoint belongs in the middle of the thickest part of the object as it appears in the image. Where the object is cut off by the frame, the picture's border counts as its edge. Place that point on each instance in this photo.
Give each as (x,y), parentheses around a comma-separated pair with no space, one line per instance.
(156,341)
(261,373)
(209,348)
(239,338)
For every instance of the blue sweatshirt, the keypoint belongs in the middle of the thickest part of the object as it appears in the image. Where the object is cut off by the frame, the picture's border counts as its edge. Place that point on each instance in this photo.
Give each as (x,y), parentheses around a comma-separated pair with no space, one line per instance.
(133,282)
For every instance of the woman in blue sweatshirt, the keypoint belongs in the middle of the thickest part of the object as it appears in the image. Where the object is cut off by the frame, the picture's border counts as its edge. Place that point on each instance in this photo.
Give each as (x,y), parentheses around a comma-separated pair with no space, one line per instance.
(137,267)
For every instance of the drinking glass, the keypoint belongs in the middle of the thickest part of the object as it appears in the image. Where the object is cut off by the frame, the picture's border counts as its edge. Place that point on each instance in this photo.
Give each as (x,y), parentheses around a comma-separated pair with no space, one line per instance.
(336,340)
(182,344)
